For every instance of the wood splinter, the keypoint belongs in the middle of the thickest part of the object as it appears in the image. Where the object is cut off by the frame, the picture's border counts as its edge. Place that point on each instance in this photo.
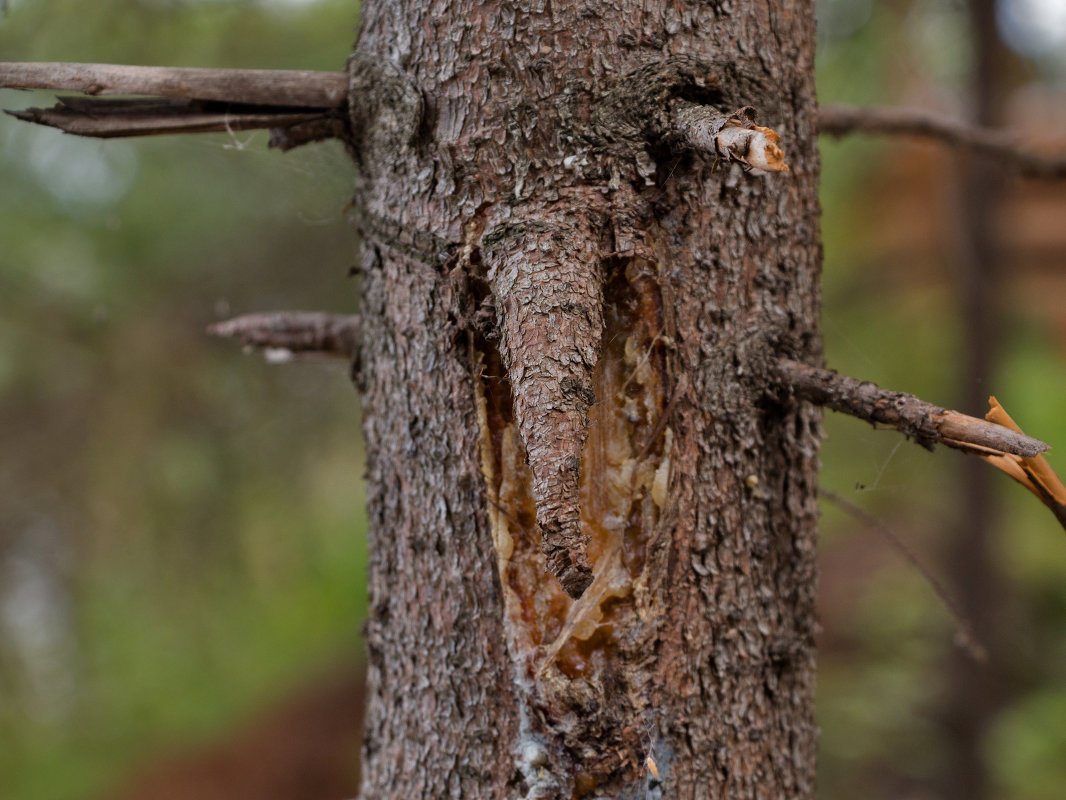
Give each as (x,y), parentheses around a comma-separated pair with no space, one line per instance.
(1033,472)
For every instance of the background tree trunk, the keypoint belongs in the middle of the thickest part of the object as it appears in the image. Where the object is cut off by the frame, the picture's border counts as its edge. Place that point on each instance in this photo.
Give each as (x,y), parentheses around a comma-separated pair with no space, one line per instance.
(975,693)
(565,316)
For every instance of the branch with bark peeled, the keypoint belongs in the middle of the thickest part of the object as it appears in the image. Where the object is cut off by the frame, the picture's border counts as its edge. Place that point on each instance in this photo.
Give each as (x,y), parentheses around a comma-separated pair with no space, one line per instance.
(924,422)
(268,87)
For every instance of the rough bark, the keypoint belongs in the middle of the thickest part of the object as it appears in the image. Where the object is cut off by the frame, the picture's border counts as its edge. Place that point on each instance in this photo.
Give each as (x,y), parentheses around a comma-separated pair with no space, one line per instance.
(571,321)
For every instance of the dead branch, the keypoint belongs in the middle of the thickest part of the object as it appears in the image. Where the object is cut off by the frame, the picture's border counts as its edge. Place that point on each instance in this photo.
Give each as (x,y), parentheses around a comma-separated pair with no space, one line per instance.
(839,120)
(297,106)
(926,423)
(107,119)
(295,332)
(729,137)
(266,87)
(965,638)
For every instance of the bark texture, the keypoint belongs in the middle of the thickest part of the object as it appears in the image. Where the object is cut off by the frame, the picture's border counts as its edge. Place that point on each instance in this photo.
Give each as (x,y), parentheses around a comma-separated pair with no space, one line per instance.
(571,325)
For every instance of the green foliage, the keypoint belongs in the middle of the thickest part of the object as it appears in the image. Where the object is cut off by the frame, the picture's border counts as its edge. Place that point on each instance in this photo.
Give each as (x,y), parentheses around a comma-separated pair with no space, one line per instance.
(197,515)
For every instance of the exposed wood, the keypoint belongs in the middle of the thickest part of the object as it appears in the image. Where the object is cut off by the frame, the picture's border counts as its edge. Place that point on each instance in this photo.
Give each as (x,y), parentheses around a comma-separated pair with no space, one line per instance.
(1002,146)
(731,137)
(107,119)
(268,87)
(1032,472)
(295,332)
(926,423)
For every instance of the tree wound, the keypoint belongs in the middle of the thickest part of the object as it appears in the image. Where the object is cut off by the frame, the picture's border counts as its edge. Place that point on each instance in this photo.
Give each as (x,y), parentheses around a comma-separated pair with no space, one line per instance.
(544,274)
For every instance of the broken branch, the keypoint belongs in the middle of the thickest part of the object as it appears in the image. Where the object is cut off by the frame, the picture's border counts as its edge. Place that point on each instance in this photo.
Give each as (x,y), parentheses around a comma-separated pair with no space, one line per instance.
(295,332)
(268,87)
(839,120)
(730,137)
(926,423)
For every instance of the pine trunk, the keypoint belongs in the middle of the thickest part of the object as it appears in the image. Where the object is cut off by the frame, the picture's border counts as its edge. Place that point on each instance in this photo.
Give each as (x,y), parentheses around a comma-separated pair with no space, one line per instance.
(570,328)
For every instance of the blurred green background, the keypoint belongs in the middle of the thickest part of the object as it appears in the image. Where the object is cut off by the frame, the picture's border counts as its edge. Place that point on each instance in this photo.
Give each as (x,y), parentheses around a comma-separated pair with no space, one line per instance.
(181,526)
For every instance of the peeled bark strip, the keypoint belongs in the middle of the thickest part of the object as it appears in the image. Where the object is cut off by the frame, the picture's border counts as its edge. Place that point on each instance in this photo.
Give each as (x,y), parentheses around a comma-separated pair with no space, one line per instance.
(544,270)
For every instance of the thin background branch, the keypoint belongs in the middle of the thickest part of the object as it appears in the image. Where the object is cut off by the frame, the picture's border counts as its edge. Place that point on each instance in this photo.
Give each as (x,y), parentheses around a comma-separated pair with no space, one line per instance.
(965,638)
(839,120)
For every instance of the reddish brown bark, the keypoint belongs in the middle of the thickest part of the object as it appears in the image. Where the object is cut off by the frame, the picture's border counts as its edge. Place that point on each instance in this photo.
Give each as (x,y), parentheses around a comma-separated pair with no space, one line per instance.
(571,324)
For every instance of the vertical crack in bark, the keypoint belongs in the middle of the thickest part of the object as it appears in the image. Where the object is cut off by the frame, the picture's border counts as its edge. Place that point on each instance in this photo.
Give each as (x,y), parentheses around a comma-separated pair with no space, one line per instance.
(574,658)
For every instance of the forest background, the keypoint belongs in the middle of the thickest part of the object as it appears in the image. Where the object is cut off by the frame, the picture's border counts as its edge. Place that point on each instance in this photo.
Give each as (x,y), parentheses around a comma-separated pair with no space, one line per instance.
(181,527)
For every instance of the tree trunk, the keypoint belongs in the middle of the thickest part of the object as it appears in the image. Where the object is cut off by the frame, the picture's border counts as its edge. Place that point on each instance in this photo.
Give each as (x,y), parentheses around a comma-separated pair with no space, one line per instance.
(571,324)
